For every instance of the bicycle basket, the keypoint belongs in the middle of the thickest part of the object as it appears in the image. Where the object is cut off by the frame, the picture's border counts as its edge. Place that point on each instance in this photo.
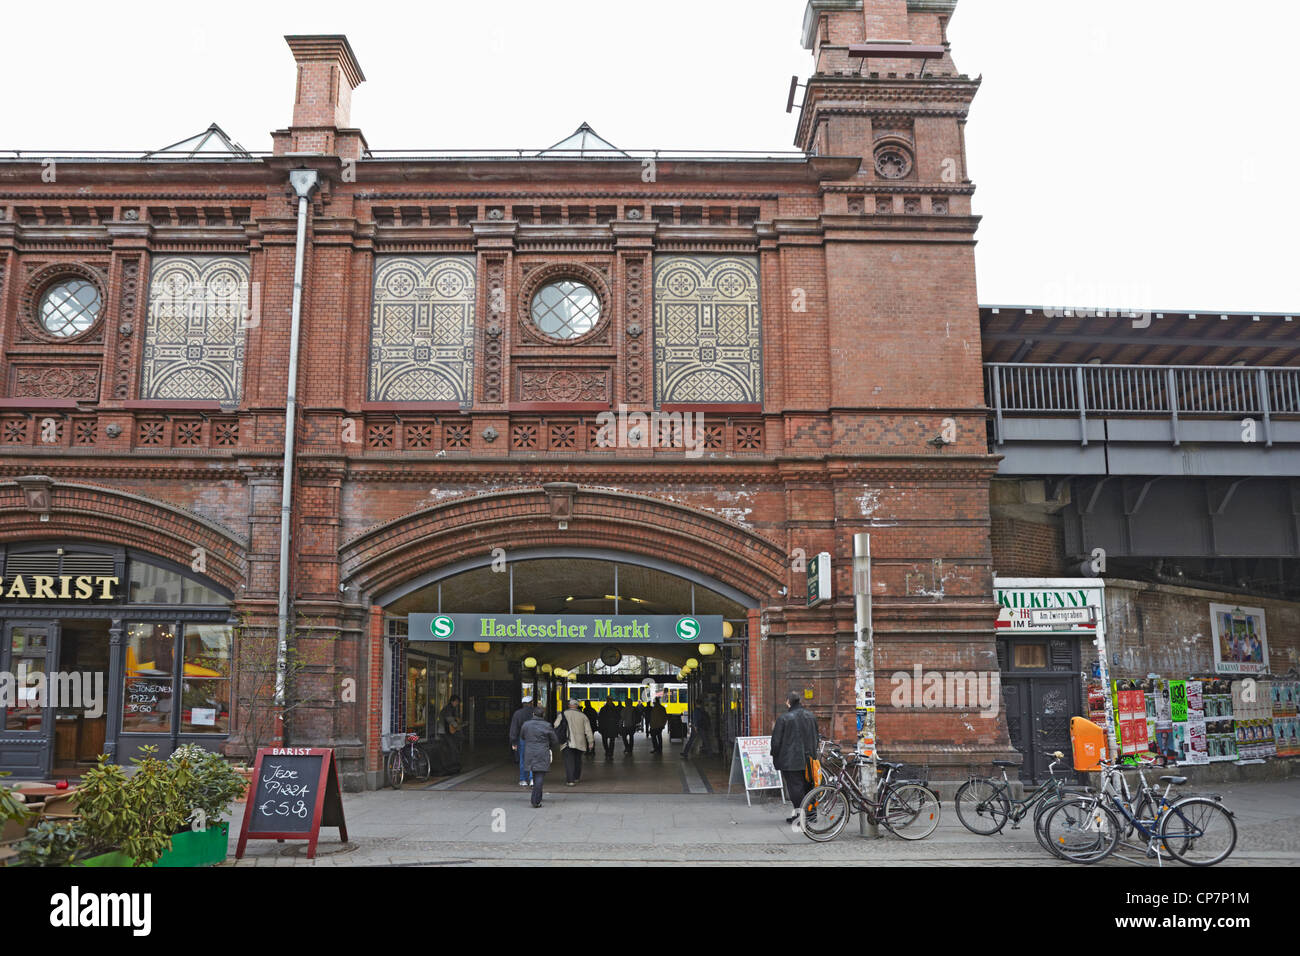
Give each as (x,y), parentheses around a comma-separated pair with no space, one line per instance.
(394,741)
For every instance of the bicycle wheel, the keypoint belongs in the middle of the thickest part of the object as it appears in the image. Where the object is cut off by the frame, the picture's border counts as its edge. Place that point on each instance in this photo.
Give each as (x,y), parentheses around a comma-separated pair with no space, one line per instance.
(394,772)
(1082,830)
(1041,811)
(981,807)
(1198,831)
(825,812)
(911,811)
(420,763)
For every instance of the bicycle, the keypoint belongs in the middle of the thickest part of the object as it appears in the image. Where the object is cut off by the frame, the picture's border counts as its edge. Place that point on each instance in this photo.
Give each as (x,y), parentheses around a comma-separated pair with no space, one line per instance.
(908,809)
(1196,830)
(984,805)
(409,759)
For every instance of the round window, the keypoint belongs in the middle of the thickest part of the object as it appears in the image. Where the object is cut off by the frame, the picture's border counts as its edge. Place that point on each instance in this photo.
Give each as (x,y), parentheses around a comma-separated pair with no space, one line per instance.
(69,308)
(566,309)
(893,162)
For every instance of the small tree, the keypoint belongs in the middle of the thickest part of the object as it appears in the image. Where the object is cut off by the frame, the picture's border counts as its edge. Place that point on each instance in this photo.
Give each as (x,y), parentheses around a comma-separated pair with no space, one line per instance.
(257,659)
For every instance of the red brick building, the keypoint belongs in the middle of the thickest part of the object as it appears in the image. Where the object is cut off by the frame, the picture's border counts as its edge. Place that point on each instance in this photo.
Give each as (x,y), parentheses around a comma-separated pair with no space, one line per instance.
(465,320)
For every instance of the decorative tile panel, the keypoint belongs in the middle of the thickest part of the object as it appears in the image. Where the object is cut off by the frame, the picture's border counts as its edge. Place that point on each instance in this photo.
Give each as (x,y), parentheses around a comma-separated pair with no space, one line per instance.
(194,335)
(422,329)
(707,332)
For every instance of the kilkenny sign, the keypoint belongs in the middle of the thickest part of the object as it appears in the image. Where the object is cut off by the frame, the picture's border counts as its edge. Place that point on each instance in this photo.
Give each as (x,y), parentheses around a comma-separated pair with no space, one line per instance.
(567,628)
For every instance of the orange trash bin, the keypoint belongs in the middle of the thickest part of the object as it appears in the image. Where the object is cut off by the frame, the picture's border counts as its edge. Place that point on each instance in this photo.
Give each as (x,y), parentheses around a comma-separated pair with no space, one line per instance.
(1089,743)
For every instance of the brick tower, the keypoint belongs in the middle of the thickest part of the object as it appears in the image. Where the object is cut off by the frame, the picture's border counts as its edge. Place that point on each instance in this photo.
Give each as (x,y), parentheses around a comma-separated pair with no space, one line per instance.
(905,376)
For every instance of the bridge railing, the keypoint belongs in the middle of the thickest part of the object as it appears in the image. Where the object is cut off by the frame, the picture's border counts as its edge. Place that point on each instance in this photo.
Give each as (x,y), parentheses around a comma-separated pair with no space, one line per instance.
(1170,391)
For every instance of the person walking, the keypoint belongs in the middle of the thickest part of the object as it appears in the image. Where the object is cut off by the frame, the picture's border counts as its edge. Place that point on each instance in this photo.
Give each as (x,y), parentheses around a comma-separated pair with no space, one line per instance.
(581,739)
(608,723)
(517,721)
(657,720)
(451,727)
(628,719)
(794,740)
(536,738)
(699,732)
(593,719)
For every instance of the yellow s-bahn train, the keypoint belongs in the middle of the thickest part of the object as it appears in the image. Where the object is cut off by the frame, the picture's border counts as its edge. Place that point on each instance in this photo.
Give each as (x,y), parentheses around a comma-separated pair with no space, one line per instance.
(673,696)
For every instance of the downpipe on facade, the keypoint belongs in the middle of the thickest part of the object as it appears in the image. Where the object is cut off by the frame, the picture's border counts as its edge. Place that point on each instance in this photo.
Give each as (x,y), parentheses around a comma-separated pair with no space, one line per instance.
(304,182)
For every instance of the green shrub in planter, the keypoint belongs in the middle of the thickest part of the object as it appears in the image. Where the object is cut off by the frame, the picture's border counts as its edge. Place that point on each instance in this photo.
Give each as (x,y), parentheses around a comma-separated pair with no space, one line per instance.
(213,785)
(139,814)
(52,843)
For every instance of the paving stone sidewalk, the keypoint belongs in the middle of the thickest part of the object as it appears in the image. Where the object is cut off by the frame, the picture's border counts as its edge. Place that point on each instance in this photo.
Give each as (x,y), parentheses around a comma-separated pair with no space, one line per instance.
(418,827)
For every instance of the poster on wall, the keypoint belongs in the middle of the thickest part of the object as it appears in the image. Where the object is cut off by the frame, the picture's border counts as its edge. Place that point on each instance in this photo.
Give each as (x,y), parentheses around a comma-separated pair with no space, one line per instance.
(1285,698)
(1240,639)
(1252,705)
(1220,734)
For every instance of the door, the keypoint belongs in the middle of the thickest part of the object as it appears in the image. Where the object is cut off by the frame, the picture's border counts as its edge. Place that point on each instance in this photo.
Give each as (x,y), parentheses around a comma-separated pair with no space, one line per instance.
(1055,701)
(29,653)
(1041,692)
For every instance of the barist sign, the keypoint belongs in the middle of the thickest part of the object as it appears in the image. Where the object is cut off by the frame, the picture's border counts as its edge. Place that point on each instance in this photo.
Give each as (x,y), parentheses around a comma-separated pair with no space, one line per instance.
(59,587)
(555,628)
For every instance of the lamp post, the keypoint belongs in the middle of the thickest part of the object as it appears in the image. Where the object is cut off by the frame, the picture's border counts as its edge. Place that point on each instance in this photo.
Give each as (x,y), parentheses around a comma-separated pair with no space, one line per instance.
(864,673)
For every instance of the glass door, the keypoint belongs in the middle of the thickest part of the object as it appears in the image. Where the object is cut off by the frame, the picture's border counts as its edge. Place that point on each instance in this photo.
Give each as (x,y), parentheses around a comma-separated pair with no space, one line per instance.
(26,710)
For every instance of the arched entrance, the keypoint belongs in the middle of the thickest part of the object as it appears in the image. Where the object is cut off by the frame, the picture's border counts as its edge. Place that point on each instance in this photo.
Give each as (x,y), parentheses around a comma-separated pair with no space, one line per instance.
(537,585)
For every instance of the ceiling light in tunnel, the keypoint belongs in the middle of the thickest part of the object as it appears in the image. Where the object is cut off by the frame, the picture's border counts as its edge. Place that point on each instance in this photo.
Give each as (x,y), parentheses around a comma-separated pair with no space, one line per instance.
(693,663)
(546,668)
(482,647)
(708,649)
(727,630)
(530,662)
(525,608)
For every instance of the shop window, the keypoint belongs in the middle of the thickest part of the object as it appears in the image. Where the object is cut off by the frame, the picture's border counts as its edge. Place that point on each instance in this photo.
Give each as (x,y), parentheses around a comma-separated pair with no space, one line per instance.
(1029,656)
(417,695)
(205,679)
(150,584)
(147,705)
(27,655)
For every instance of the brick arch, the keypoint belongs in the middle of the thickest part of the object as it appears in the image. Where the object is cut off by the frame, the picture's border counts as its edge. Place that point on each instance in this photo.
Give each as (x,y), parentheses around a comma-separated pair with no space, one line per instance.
(90,513)
(389,555)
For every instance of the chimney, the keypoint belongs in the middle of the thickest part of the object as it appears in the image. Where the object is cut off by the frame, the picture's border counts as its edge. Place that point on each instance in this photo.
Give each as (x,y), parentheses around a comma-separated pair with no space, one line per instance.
(328,72)
(886,21)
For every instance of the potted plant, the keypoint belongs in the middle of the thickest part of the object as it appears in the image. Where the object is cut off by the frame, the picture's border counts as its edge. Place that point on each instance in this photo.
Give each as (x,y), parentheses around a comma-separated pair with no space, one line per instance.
(213,786)
(168,814)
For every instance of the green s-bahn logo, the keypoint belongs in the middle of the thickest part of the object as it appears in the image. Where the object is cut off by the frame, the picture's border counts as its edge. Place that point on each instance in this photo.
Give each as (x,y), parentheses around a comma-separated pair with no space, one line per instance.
(442,626)
(688,629)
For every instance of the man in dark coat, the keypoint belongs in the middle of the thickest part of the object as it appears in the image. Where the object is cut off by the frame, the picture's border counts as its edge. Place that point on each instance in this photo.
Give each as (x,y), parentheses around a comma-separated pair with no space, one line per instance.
(608,723)
(794,740)
(536,738)
(656,720)
(517,720)
(630,718)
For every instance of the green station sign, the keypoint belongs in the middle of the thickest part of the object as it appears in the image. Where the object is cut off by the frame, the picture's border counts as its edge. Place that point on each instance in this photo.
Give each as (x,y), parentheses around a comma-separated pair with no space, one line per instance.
(567,628)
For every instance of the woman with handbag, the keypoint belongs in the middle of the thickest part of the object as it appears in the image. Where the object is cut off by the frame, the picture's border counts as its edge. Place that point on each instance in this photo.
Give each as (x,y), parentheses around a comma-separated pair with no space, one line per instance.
(538,737)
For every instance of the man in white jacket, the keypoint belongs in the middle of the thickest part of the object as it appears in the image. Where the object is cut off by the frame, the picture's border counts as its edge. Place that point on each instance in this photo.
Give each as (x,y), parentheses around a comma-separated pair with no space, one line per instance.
(581,739)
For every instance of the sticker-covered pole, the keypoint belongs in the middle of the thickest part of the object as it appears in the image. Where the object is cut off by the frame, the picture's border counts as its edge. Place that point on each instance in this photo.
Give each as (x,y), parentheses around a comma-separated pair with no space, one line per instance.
(864,673)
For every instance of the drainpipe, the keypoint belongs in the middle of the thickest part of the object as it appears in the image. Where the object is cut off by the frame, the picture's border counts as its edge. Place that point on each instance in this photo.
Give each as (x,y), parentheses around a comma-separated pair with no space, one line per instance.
(303,181)
(864,674)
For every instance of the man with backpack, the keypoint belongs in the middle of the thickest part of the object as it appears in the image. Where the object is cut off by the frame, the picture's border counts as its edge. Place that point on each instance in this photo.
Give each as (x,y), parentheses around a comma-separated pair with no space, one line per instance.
(574,731)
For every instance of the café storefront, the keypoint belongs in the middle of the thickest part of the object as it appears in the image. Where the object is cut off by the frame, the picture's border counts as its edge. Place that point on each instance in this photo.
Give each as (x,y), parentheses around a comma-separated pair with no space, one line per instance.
(104,650)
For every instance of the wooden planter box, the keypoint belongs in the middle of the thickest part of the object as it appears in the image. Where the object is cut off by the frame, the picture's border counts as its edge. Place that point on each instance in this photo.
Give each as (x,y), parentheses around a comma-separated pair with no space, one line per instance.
(189,848)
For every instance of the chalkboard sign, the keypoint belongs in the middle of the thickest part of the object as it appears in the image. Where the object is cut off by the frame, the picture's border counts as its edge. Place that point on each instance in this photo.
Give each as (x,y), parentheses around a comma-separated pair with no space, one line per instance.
(295,791)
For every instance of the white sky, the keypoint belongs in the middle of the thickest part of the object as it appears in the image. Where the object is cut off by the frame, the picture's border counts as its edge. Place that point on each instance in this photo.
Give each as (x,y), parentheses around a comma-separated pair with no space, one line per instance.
(1126,152)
